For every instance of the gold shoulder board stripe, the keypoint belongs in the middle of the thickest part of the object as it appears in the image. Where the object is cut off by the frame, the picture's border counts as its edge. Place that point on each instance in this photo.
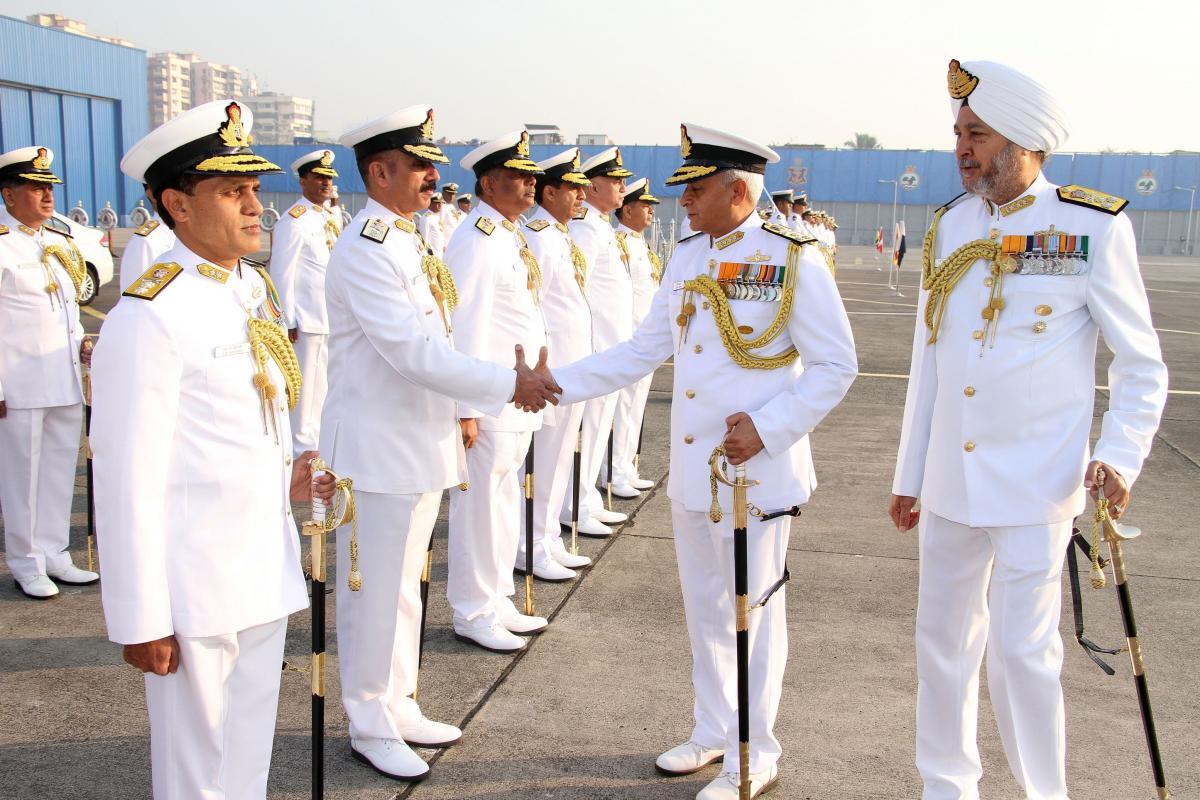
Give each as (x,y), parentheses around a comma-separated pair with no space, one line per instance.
(787,233)
(153,281)
(3,229)
(297,212)
(147,228)
(538,225)
(1092,198)
(486,225)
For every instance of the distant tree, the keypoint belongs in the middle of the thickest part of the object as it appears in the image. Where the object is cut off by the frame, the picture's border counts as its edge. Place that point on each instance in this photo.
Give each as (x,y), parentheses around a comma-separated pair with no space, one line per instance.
(863,141)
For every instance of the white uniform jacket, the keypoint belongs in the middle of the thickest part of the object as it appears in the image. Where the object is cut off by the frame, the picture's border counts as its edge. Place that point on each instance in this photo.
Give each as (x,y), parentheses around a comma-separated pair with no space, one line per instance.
(451,217)
(39,330)
(193,517)
(433,230)
(300,246)
(609,287)
(641,272)
(785,404)
(390,419)
(996,429)
(143,249)
(497,309)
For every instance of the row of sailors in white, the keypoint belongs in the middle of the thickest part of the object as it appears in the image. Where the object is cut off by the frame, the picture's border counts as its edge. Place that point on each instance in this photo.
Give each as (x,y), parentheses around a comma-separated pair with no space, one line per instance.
(41,382)
(445,212)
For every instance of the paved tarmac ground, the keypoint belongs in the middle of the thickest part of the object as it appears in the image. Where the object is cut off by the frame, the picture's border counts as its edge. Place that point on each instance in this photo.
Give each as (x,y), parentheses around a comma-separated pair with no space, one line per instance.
(585,710)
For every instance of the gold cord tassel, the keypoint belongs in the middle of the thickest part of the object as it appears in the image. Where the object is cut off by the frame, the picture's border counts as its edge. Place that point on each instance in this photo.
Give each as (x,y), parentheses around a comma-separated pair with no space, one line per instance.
(714,511)
(1097,575)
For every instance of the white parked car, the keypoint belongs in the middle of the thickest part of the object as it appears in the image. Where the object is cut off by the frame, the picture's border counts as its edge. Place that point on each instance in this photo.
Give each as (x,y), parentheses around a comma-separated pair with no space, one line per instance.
(93,244)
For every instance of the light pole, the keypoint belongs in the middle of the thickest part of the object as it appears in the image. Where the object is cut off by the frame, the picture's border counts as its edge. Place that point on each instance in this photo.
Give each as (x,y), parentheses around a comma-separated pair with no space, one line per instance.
(1191,208)
(895,194)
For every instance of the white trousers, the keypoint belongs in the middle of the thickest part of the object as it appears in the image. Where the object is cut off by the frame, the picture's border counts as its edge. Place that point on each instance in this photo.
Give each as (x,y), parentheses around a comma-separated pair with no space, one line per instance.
(627,428)
(39,448)
(379,626)
(553,463)
(312,351)
(704,550)
(598,416)
(212,722)
(999,590)
(485,522)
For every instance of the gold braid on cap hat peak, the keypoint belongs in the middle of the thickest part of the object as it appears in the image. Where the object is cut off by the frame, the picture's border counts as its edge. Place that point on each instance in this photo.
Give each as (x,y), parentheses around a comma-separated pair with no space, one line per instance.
(960,82)
(737,347)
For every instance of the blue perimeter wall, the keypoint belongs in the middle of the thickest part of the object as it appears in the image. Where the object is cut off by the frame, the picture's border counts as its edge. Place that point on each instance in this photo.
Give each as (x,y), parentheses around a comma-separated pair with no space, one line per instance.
(844,176)
(84,99)
(87,100)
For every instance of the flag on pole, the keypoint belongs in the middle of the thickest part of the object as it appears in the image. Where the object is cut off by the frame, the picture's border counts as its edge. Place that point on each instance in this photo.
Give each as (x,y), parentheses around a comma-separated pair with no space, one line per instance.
(898,246)
(879,241)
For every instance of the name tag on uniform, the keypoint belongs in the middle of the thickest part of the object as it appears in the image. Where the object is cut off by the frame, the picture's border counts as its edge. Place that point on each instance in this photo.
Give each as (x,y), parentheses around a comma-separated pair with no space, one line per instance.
(227,350)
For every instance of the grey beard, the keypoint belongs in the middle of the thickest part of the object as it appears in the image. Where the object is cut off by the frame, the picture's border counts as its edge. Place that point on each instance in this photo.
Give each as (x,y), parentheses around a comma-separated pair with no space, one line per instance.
(1002,174)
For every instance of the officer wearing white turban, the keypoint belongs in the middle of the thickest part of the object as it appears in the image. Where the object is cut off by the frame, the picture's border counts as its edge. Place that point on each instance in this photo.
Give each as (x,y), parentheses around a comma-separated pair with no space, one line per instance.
(995,440)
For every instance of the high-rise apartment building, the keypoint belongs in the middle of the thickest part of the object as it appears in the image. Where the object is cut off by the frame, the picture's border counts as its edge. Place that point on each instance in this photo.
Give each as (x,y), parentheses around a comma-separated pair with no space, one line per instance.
(281,118)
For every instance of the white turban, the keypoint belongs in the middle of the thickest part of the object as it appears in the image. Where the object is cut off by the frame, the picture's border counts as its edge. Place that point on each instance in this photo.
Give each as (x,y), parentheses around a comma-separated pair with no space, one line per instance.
(1018,107)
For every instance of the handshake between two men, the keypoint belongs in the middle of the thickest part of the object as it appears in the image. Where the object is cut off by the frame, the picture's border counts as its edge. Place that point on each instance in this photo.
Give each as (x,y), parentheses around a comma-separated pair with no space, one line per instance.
(535,387)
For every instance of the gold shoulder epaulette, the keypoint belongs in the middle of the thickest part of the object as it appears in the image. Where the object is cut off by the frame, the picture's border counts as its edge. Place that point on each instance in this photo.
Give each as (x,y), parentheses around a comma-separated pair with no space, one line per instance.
(375,229)
(153,281)
(787,233)
(537,225)
(147,228)
(486,225)
(582,213)
(297,212)
(1091,198)
(3,229)
(689,238)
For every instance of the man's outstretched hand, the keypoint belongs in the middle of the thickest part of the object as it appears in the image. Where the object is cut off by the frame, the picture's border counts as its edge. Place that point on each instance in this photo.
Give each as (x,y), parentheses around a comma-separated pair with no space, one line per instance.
(535,387)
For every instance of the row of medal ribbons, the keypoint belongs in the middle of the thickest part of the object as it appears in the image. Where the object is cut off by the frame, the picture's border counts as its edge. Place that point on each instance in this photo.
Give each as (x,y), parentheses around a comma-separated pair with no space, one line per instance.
(751,281)
(1046,253)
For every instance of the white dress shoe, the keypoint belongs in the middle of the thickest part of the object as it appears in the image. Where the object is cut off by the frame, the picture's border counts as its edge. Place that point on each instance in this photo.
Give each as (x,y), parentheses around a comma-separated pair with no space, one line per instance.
(687,758)
(490,637)
(565,557)
(390,757)
(609,517)
(591,527)
(725,787)
(74,576)
(39,587)
(641,484)
(428,733)
(549,570)
(516,622)
(625,491)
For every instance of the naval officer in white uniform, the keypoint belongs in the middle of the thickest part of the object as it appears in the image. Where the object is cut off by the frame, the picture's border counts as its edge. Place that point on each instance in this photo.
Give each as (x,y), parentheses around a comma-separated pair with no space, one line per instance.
(995,441)
(564,304)
(391,423)
(645,273)
(610,295)
(499,281)
(300,246)
(41,390)
(786,384)
(194,468)
(149,241)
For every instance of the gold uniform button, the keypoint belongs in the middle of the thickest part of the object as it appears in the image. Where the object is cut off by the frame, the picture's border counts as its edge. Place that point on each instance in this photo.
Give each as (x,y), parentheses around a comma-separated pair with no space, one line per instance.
(1043,310)
(697,349)
(969,391)
(689,439)
(1039,327)
(288,461)
(690,393)
(988,281)
(969,447)
(977,335)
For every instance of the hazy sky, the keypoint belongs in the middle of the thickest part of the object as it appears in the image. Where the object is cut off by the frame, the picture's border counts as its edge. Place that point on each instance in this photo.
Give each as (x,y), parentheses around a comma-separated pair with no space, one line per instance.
(774,71)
